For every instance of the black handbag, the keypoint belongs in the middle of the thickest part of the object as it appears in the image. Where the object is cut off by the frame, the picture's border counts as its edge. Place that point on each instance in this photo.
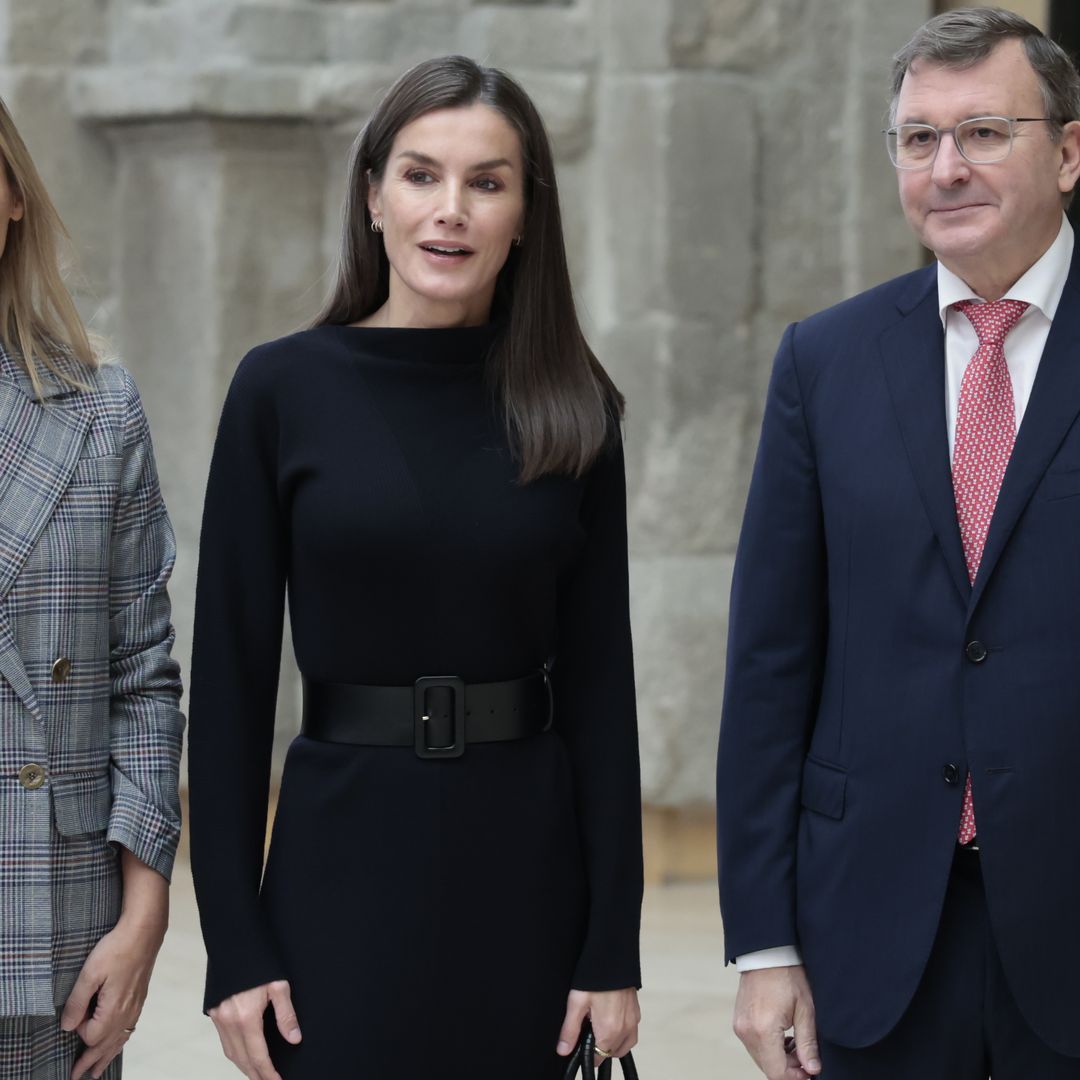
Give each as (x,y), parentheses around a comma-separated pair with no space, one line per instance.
(581,1060)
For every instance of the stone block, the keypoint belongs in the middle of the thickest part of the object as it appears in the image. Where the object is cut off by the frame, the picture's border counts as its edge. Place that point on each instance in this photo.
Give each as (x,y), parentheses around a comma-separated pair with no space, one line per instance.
(362,33)
(627,195)
(154,92)
(188,34)
(689,407)
(275,33)
(746,35)
(391,35)
(565,101)
(537,37)
(346,93)
(710,159)
(831,223)
(679,612)
(54,31)
(635,34)
(573,178)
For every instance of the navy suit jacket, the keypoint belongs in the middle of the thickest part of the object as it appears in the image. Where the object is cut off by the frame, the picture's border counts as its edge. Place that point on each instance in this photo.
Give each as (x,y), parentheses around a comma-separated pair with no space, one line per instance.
(854,707)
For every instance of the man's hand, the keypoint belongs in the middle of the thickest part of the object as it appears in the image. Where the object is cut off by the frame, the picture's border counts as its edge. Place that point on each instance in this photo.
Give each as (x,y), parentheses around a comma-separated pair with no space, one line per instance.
(769,1003)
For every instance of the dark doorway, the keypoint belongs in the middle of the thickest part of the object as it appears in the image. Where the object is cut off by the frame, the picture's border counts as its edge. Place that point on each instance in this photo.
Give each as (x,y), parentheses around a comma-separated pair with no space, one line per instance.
(1065,24)
(1065,30)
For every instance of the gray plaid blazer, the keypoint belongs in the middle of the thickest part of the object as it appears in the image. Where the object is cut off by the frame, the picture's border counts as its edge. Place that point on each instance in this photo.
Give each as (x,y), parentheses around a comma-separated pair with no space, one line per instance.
(90,729)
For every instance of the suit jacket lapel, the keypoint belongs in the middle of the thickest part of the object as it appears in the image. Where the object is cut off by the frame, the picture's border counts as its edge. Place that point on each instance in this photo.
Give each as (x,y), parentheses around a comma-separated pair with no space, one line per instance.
(39,446)
(913,354)
(1051,411)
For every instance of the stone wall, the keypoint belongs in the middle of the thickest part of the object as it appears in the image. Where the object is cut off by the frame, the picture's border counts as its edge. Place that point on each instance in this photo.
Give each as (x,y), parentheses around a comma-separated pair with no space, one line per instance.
(722,174)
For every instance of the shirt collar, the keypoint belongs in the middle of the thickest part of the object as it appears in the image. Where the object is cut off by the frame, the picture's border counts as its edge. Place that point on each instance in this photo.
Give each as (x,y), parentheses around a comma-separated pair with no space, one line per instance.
(1041,286)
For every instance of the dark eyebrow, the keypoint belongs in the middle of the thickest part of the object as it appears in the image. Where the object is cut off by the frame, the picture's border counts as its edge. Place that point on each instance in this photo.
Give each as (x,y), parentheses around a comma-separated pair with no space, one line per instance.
(483,166)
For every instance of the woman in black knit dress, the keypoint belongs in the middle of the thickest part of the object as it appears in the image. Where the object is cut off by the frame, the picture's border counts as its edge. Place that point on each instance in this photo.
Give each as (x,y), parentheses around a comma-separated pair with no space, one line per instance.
(434,473)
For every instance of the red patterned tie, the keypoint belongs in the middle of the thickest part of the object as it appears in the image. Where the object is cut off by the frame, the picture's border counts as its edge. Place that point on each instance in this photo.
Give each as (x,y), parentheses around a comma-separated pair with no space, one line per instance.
(985,433)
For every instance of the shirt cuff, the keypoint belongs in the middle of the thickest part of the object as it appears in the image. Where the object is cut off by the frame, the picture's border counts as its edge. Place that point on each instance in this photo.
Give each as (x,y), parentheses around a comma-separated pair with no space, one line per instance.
(781,956)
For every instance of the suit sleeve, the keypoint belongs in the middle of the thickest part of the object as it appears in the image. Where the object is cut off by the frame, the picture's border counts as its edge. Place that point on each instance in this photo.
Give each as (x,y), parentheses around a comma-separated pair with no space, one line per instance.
(235,660)
(145,723)
(776,643)
(595,711)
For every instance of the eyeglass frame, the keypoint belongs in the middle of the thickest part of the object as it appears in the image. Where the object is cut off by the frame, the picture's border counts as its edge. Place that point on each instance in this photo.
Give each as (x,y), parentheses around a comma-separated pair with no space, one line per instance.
(1010,120)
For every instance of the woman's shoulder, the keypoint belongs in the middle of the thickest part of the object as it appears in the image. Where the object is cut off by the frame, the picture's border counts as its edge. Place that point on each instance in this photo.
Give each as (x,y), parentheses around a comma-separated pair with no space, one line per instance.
(285,364)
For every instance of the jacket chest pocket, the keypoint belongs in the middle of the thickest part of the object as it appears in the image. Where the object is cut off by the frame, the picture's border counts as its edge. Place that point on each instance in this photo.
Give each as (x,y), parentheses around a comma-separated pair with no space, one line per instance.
(1060,484)
(76,537)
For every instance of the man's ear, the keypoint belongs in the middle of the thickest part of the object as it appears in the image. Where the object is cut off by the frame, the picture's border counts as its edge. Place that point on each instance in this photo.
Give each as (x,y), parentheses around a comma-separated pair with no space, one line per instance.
(1069,170)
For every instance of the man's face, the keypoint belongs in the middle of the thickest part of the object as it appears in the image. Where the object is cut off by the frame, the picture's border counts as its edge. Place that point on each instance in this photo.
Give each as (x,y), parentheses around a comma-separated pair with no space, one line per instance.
(1004,214)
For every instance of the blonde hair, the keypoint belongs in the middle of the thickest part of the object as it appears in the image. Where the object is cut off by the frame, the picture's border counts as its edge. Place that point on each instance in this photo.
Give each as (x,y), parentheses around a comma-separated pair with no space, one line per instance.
(38,318)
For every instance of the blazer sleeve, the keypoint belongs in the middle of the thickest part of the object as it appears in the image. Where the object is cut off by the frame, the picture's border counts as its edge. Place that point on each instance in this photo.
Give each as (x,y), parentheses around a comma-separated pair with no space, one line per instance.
(593,684)
(145,723)
(235,660)
(776,642)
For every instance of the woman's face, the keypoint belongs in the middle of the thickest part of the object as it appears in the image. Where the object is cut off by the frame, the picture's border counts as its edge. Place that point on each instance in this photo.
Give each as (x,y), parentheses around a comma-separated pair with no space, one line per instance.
(11,207)
(451,201)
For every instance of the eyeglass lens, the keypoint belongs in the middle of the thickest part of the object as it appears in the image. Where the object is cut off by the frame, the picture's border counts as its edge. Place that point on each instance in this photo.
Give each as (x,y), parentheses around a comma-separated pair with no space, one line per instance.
(981,140)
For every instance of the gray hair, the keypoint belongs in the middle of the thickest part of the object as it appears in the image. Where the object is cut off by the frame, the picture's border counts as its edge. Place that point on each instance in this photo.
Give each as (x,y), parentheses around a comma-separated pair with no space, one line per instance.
(961,38)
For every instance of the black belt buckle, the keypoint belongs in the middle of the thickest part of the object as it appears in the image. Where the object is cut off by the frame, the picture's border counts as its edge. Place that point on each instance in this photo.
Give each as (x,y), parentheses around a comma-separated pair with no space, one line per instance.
(420,716)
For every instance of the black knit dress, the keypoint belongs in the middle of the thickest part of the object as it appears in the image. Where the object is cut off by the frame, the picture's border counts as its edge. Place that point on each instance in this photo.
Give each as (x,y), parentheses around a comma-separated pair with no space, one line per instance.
(430,915)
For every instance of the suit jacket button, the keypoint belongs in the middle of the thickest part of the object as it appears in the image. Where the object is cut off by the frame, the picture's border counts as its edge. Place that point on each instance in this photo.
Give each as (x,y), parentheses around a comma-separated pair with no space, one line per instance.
(31,777)
(976,652)
(951,773)
(61,669)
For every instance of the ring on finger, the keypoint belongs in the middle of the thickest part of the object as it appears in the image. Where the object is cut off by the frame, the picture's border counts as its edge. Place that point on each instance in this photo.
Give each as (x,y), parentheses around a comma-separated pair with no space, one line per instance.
(602,1053)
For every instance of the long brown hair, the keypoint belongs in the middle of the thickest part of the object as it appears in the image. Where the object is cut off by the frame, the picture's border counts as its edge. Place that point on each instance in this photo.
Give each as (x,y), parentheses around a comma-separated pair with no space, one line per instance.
(559,404)
(37,315)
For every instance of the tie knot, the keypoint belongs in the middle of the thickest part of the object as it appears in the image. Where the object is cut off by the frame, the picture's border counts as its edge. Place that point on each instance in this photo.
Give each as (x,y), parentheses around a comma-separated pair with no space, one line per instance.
(992,322)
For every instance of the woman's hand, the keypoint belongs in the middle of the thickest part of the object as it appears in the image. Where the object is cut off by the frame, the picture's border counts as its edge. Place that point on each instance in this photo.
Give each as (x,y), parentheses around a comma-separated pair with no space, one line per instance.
(116,975)
(615,1017)
(118,972)
(239,1023)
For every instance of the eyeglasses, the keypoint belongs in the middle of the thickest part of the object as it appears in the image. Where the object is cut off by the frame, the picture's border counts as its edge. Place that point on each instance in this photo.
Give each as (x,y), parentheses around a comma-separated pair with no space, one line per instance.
(982,140)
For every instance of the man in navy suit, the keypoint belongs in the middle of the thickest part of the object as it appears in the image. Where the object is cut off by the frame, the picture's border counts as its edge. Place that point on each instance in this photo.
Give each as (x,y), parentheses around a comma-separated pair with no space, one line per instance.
(899,768)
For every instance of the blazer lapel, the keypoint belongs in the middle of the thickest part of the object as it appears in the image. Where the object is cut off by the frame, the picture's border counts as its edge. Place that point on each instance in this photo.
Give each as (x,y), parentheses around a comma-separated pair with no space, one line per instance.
(39,446)
(913,354)
(1051,411)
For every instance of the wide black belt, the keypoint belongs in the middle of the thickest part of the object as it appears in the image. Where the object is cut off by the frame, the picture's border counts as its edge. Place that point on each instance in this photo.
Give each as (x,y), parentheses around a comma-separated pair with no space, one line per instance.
(438,715)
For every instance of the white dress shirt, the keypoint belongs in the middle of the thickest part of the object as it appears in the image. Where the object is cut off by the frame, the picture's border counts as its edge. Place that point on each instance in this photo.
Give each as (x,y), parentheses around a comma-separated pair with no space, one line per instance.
(1041,288)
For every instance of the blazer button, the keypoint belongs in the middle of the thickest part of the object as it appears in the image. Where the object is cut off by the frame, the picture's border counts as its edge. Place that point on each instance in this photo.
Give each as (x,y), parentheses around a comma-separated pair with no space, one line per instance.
(31,777)
(976,652)
(61,669)
(951,773)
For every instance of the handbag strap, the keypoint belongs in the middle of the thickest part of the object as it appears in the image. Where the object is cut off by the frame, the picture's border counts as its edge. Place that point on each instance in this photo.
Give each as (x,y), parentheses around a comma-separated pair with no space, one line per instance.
(582,1060)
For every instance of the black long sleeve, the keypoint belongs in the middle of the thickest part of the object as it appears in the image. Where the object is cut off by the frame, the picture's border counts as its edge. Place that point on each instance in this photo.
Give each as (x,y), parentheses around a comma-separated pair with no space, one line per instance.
(369,470)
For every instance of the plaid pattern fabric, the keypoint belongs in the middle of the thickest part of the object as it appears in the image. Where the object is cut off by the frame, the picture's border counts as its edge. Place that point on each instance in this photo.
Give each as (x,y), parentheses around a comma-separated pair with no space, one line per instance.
(85,553)
(34,1048)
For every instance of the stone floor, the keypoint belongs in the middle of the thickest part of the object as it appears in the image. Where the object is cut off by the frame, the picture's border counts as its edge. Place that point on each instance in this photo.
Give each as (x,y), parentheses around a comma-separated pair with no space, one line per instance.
(686,1034)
